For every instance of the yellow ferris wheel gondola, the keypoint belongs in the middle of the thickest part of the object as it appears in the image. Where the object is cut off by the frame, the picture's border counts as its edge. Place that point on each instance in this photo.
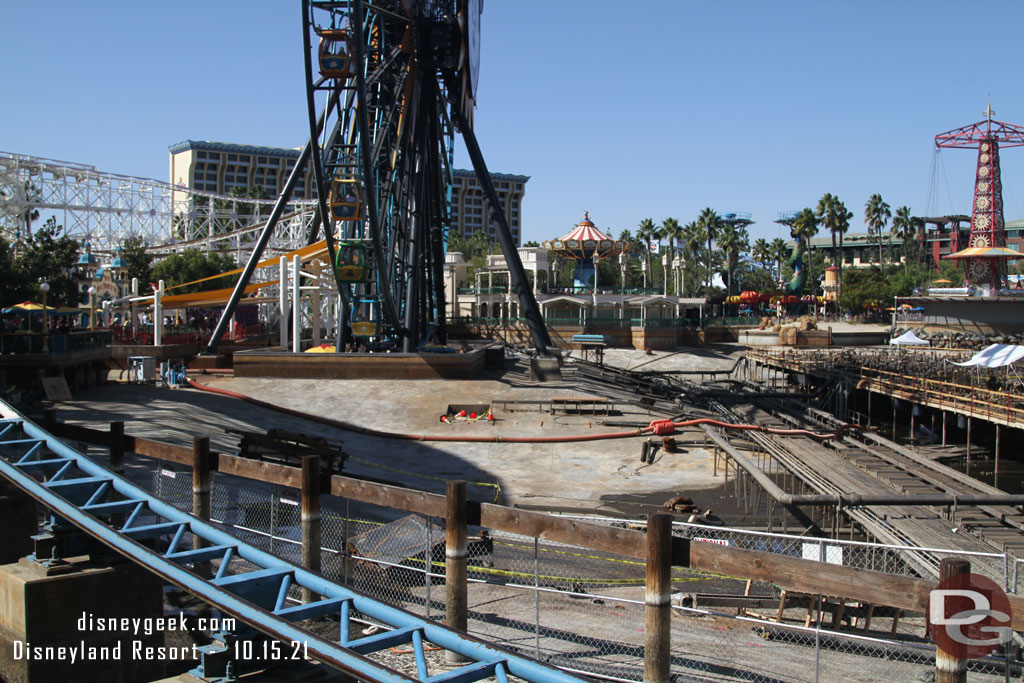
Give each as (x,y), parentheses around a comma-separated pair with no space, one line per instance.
(345,200)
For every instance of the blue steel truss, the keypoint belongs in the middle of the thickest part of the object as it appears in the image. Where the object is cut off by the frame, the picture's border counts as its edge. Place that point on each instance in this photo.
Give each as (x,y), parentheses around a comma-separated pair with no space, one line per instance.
(120,515)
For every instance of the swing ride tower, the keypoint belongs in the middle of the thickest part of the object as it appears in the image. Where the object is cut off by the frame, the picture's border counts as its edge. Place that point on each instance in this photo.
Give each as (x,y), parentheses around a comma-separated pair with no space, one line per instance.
(986,254)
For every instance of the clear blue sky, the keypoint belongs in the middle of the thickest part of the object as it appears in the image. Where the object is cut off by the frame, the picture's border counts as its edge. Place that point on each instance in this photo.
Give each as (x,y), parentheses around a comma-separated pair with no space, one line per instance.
(653,108)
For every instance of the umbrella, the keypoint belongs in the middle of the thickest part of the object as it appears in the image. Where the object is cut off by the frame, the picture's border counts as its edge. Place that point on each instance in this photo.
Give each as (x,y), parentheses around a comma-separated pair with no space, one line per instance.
(943,282)
(26,307)
(322,348)
(905,306)
(985,252)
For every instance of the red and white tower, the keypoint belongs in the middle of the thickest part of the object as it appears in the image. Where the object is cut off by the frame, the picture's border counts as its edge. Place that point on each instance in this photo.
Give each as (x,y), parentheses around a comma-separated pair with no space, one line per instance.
(986,255)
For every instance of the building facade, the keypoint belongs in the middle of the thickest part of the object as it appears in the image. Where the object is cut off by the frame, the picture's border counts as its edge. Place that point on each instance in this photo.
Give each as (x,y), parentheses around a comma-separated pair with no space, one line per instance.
(221,167)
(471,210)
(941,237)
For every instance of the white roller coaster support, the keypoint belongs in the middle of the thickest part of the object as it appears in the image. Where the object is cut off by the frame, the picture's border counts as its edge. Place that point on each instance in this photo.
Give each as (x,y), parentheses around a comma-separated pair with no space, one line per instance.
(282,298)
(316,304)
(296,306)
(158,314)
(106,208)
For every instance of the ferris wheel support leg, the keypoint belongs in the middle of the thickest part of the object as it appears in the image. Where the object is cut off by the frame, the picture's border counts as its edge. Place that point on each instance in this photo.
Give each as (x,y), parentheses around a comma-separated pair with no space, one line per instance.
(527,302)
(257,252)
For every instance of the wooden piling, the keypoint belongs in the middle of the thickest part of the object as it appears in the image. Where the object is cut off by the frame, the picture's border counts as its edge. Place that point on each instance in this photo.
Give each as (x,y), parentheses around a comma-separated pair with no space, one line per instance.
(948,667)
(117,447)
(456,595)
(200,489)
(658,612)
(310,520)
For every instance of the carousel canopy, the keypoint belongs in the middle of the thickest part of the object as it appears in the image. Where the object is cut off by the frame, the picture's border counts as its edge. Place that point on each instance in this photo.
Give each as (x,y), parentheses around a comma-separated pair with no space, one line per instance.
(584,240)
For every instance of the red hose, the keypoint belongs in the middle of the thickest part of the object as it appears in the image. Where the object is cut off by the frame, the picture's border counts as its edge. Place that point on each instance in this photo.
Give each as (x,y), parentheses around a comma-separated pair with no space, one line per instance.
(348,426)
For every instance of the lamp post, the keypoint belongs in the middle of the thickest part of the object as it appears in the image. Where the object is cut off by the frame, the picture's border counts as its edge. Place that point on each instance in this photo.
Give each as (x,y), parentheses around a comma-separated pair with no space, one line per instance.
(92,309)
(664,266)
(678,265)
(44,287)
(623,262)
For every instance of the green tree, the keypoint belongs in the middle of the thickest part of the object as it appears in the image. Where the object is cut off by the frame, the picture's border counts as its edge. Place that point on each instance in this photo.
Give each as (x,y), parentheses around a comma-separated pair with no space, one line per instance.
(645,232)
(710,224)
(877,215)
(137,261)
(762,252)
(733,241)
(780,251)
(532,243)
(834,216)
(51,258)
(192,265)
(863,285)
(691,243)
(905,225)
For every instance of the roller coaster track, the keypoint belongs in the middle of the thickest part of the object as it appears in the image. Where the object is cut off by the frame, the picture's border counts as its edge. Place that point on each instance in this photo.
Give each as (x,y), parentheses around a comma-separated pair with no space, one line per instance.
(105,208)
(246,583)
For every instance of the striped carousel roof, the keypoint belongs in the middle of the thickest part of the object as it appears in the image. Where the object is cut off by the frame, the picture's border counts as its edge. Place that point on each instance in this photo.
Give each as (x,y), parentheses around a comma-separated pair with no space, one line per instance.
(585,230)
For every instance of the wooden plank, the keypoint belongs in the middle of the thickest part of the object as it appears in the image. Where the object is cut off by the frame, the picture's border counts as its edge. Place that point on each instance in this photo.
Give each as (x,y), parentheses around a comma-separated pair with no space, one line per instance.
(806,576)
(394,497)
(269,472)
(158,449)
(78,433)
(549,527)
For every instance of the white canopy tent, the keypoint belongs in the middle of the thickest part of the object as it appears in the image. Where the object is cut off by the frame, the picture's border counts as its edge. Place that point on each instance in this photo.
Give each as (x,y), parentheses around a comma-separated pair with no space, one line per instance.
(909,339)
(995,356)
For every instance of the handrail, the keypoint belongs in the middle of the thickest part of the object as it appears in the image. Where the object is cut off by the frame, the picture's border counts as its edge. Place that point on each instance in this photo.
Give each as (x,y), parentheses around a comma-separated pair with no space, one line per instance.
(266,587)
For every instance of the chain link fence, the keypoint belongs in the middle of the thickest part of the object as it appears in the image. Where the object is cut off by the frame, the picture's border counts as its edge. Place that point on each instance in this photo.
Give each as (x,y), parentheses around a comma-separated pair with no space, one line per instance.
(583,610)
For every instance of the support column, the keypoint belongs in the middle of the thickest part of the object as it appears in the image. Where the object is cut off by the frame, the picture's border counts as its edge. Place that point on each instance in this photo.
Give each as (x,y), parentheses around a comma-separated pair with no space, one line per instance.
(658,612)
(315,303)
(995,474)
(296,307)
(948,667)
(456,595)
(117,447)
(201,493)
(283,300)
(311,530)
(158,314)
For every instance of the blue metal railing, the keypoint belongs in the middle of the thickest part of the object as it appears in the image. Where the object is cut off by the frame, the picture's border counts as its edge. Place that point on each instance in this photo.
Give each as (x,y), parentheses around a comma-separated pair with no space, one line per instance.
(91,498)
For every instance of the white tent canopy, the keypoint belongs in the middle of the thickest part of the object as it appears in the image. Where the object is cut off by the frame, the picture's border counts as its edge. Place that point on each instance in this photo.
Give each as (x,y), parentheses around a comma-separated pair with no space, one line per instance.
(995,356)
(909,339)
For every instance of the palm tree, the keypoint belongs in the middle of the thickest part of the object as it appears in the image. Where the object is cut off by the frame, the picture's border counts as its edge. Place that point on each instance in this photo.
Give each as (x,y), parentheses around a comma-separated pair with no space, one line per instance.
(779,252)
(710,224)
(732,240)
(762,253)
(832,214)
(645,232)
(877,215)
(805,226)
(671,229)
(692,242)
(905,225)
